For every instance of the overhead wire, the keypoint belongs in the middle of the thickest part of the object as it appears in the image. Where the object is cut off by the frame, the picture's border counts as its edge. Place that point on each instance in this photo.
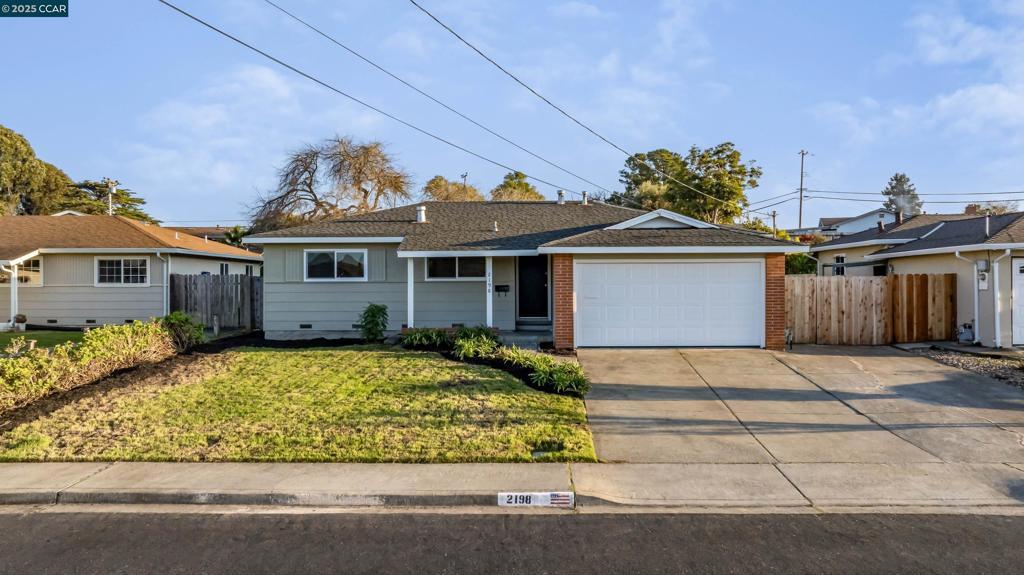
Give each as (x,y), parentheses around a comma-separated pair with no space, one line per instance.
(340,92)
(567,114)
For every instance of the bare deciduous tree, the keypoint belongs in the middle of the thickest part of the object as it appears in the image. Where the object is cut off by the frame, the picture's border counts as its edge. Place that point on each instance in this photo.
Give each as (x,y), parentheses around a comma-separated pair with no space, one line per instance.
(333,179)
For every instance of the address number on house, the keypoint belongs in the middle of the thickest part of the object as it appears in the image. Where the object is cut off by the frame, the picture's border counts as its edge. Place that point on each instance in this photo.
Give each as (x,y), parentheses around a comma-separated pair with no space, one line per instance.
(536,499)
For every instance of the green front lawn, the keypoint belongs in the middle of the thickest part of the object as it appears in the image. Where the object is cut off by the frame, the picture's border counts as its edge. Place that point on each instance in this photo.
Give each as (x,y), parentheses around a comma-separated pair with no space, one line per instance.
(355,404)
(43,338)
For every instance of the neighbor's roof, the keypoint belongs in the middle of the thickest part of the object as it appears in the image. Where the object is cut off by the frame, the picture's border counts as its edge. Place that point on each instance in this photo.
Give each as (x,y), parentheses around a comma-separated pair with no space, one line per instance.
(21,235)
(969,231)
(911,229)
(521,226)
(200,231)
(826,222)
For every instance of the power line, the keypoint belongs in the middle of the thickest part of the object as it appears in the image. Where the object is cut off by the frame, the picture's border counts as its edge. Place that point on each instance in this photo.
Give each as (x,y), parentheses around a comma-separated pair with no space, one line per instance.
(865,200)
(776,203)
(355,99)
(775,197)
(430,97)
(567,114)
(920,194)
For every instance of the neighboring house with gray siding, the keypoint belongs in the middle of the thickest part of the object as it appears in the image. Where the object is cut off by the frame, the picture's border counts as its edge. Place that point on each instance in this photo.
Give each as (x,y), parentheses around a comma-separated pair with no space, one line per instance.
(590,274)
(77,271)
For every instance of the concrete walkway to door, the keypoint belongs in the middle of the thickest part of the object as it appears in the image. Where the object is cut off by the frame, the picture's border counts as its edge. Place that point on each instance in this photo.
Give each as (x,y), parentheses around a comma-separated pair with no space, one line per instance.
(840,423)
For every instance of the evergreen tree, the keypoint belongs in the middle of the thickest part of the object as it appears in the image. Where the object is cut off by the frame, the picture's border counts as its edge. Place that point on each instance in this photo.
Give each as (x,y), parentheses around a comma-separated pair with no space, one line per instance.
(901,196)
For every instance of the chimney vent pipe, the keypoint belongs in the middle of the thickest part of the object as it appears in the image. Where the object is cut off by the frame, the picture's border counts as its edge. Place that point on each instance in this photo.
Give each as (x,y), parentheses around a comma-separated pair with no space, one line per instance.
(421,214)
(561,197)
(584,201)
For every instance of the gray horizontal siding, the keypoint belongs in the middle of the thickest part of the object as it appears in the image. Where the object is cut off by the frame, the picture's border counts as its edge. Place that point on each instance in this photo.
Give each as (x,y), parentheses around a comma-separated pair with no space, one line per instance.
(335,306)
(72,306)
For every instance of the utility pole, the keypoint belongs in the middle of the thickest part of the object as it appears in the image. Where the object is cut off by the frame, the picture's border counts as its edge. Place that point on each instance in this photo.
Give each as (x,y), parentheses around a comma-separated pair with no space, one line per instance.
(111,189)
(800,219)
(775,230)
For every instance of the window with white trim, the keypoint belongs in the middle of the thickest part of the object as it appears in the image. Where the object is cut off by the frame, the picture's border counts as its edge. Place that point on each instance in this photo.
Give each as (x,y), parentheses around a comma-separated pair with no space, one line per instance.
(838,269)
(248,269)
(336,265)
(474,268)
(122,271)
(224,269)
(30,273)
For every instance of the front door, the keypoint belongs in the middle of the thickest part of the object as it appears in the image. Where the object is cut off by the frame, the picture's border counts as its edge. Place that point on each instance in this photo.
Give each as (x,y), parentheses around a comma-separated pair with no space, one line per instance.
(1017,301)
(533,286)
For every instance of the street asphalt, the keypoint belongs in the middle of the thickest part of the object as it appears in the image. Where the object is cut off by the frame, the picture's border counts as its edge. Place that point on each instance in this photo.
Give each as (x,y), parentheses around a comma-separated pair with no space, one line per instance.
(97,542)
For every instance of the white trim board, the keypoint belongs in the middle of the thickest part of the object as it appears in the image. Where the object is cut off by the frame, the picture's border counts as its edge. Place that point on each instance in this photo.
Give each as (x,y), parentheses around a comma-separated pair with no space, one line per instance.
(890,242)
(661,213)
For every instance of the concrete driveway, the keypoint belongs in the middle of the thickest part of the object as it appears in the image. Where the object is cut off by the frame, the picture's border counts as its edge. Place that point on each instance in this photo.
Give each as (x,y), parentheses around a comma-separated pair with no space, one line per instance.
(817,404)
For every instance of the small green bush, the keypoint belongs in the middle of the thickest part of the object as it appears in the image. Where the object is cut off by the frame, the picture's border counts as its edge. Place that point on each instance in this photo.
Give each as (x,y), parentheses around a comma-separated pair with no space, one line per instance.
(479,346)
(373,322)
(33,374)
(475,333)
(427,338)
(185,332)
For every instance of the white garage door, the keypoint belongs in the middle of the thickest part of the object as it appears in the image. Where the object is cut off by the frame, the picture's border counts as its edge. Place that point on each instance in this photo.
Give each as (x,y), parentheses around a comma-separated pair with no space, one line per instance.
(669,304)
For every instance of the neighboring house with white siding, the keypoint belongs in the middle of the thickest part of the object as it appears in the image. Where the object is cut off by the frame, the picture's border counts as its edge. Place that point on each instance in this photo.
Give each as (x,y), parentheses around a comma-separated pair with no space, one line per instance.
(586,273)
(90,270)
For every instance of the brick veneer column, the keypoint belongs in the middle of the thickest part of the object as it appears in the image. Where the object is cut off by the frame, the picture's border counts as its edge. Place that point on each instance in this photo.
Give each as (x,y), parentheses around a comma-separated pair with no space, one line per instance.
(775,301)
(562,270)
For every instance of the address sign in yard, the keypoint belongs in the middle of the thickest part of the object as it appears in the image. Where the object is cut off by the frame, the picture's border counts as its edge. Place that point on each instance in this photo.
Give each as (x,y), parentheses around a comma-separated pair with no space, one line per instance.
(537,499)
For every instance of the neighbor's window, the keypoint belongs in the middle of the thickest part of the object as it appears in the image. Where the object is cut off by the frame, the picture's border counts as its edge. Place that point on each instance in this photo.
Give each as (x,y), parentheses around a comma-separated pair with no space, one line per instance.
(248,269)
(122,271)
(455,268)
(30,273)
(339,265)
(838,269)
(224,269)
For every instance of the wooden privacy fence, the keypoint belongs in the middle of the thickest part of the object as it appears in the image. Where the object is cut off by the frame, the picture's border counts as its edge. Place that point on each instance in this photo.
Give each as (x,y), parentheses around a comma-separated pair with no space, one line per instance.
(235,300)
(850,310)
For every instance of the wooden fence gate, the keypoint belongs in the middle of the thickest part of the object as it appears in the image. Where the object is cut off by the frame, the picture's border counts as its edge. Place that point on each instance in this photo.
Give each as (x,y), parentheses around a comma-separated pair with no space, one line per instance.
(235,300)
(850,310)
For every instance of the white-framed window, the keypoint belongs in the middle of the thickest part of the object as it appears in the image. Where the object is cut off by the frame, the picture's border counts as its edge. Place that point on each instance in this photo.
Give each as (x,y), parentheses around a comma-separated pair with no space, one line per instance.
(837,268)
(122,272)
(224,269)
(248,269)
(456,269)
(335,265)
(30,274)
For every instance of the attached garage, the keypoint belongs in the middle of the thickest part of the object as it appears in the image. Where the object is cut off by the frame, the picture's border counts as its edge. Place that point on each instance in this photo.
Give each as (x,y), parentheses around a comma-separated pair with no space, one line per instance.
(669,303)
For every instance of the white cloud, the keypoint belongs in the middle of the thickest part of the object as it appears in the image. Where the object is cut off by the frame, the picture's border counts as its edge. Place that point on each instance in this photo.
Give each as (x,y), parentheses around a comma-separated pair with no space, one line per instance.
(411,42)
(216,145)
(577,9)
(679,33)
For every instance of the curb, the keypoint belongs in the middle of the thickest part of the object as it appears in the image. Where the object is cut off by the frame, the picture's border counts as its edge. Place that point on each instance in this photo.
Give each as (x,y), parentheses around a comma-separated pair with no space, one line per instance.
(301,499)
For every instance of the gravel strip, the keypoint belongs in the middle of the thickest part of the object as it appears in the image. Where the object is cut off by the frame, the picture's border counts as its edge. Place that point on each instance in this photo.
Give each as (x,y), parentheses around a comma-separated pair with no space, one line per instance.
(1009,371)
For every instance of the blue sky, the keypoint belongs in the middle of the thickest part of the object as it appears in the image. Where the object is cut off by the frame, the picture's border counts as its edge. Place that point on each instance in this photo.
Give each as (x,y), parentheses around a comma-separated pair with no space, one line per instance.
(198,125)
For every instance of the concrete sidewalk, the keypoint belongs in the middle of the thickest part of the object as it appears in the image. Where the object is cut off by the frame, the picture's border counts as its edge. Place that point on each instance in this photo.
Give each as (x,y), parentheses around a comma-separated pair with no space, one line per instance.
(798,487)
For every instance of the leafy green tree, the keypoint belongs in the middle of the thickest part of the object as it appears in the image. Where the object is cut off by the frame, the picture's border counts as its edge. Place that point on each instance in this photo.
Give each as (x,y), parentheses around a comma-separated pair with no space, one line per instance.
(49,192)
(90,197)
(441,189)
(515,188)
(718,172)
(901,196)
(20,170)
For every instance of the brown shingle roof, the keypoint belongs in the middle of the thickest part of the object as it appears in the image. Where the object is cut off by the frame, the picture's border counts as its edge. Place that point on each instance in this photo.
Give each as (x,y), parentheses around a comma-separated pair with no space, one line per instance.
(20,235)
(667,237)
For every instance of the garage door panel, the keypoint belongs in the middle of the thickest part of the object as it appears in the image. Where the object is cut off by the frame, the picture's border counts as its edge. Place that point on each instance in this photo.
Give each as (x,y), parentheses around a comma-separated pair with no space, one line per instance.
(670,303)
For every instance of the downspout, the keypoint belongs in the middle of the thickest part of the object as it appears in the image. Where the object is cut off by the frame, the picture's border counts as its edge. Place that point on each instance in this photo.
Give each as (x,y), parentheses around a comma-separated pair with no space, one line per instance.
(167,281)
(977,317)
(997,306)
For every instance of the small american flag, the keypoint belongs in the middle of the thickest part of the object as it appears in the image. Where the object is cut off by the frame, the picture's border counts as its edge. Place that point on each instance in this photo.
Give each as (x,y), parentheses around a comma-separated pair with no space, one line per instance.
(561,499)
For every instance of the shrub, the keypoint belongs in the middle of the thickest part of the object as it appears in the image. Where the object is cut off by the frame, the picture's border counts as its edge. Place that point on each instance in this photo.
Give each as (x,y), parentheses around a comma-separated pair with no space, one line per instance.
(475,333)
(184,331)
(427,338)
(373,322)
(102,351)
(478,346)
(544,372)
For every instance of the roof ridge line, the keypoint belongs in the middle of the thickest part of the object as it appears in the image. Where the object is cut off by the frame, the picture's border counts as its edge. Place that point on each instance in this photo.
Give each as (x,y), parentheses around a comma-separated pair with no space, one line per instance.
(139,226)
